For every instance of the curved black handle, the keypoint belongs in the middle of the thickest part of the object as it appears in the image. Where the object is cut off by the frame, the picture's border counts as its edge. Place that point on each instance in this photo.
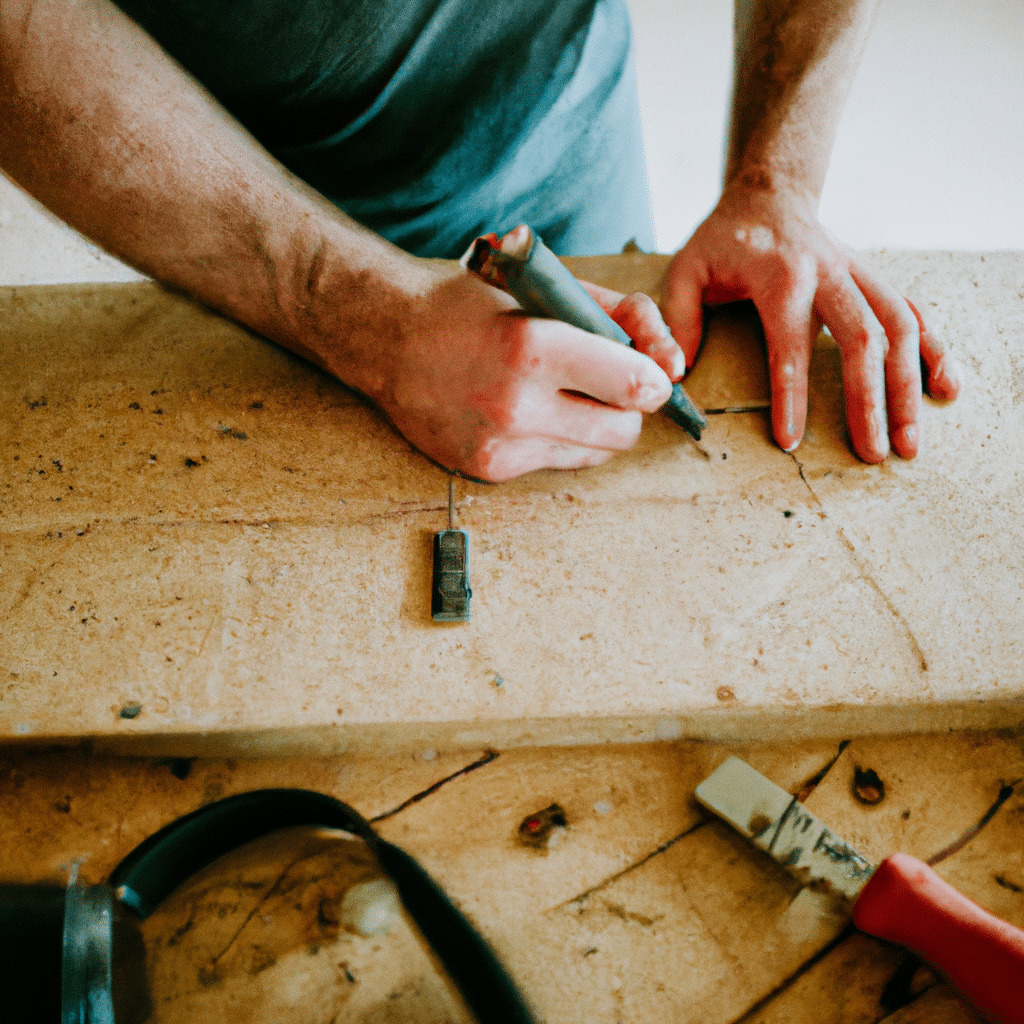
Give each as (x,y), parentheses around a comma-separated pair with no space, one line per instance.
(167,858)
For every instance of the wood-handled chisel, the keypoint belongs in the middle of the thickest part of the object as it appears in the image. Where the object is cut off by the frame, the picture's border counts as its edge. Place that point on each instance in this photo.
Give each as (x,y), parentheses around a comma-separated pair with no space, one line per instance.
(902,899)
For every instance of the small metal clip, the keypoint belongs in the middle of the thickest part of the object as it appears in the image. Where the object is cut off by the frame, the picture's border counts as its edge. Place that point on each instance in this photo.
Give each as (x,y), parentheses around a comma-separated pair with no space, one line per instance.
(450,593)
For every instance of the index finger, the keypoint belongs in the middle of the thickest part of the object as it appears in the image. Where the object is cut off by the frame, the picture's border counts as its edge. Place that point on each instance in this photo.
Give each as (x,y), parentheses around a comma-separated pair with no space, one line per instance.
(615,374)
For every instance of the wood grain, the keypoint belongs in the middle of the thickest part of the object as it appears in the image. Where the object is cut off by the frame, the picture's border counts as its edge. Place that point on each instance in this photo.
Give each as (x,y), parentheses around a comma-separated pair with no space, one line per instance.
(208,545)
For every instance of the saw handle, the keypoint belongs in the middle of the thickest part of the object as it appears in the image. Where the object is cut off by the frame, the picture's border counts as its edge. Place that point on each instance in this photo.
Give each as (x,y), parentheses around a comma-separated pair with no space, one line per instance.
(905,901)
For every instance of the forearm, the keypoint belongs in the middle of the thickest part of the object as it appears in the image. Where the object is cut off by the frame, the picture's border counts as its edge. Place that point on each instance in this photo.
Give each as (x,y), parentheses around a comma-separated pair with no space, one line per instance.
(105,129)
(795,61)
(108,132)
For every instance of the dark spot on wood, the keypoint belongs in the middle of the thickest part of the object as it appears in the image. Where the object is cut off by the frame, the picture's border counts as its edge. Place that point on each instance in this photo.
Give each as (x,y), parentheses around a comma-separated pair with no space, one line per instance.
(130,710)
(909,980)
(868,788)
(758,824)
(543,829)
(181,767)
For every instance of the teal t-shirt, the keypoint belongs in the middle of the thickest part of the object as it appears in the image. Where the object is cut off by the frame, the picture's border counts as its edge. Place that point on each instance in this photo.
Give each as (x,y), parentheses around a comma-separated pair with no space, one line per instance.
(433,121)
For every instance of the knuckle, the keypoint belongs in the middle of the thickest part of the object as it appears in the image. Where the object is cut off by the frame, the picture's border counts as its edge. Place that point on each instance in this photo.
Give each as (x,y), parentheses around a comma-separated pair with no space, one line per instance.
(617,434)
(867,341)
(523,350)
(637,305)
(490,461)
(630,430)
(505,414)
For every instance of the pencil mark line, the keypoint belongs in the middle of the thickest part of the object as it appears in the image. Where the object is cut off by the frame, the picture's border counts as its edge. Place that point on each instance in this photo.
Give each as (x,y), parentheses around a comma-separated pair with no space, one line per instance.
(864,572)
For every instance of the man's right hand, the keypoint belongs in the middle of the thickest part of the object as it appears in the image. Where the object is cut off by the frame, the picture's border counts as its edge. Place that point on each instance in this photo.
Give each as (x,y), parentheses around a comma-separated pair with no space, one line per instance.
(104,128)
(482,388)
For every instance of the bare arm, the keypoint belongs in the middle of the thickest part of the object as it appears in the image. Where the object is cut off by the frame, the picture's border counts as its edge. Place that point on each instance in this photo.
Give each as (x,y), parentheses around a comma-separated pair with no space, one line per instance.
(104,128)
(795,61)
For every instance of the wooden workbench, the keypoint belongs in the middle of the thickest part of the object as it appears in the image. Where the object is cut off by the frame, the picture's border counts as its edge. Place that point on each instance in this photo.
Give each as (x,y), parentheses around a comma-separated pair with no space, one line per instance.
(646,912)
(209,546)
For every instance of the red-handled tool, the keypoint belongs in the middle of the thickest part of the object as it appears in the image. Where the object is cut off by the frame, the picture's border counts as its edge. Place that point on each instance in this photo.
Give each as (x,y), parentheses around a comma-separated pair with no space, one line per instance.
(902,899)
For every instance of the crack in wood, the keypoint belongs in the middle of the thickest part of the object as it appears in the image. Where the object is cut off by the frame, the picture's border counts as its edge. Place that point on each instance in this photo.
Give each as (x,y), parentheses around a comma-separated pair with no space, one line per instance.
(739,408)
(487,758)
(1005,792)
(216,958)
(752,1013)
(604,883)
(865,574)
(818,777)
(374,517)
(669,843)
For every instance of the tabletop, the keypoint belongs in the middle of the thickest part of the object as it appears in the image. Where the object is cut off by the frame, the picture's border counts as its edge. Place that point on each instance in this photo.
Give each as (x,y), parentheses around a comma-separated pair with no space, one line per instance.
(208,545)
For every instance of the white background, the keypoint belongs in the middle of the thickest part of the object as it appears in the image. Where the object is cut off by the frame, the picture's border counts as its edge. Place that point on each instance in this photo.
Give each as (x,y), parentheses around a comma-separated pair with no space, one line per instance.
(930,152)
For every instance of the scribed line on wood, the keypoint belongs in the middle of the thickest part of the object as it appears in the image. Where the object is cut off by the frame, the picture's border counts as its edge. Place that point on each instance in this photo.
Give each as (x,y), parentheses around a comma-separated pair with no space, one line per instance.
(864,572)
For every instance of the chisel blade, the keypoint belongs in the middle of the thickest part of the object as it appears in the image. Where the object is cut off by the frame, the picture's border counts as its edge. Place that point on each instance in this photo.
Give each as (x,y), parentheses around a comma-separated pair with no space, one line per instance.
(781,826)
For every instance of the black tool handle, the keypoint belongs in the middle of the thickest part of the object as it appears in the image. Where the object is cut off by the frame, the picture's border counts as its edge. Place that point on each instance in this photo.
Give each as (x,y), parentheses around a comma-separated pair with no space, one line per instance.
(542,284)
(167,858)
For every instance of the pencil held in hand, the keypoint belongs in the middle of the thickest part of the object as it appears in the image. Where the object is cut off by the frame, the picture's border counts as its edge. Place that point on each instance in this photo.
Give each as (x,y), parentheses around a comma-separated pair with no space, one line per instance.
(524,266)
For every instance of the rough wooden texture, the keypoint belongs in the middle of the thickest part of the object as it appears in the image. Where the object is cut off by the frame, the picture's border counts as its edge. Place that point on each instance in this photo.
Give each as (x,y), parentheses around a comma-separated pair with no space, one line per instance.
(645,911)
(208,545)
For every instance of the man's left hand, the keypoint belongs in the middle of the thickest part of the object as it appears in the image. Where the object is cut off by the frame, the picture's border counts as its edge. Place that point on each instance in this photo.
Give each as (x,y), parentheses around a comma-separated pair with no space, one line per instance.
(768,247)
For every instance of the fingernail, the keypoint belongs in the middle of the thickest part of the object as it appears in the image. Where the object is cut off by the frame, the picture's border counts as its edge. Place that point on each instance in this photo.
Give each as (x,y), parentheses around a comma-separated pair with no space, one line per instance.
(905,440)
(946,376)
(678,364)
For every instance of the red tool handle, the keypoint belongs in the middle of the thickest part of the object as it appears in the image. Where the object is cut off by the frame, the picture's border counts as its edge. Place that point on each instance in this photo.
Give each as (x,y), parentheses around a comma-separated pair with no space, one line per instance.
(983,955)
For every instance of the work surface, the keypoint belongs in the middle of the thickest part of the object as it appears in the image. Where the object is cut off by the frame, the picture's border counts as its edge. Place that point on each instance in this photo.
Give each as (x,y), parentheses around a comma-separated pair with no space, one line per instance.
(208,545)
(646,911)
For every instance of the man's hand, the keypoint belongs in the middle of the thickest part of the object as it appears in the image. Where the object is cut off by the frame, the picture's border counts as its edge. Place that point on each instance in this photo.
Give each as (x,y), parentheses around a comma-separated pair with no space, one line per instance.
(768,246)
(100,125)
(481,387)
(795,60)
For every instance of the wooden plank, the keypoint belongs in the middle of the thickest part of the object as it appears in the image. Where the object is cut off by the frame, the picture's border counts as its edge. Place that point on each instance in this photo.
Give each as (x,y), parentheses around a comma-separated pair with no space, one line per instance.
(641,912)
(208,545)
